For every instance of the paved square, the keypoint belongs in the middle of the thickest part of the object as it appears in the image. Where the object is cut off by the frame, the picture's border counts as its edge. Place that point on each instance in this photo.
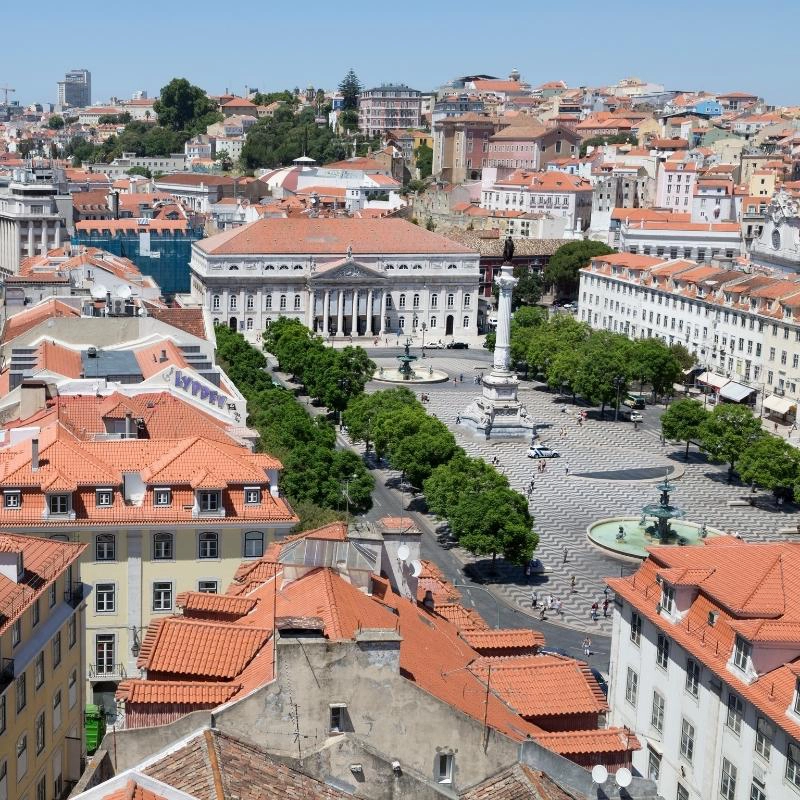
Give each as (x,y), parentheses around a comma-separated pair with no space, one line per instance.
(563,506)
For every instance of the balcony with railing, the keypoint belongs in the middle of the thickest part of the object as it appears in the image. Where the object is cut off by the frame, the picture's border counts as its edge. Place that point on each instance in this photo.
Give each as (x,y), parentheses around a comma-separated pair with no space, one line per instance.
(109,672)
(6,672)
(74,594)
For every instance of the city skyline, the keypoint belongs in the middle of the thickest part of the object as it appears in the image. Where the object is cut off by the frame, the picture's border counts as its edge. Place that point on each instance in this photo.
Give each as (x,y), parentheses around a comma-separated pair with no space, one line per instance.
(318,55)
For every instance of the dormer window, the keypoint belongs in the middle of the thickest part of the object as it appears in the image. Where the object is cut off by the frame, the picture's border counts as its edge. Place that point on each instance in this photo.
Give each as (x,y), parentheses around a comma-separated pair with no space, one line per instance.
(104,497)
(667,598)
(209,501)
(741,653)
(58,503)
(12,499)
(162,497)
(252,495)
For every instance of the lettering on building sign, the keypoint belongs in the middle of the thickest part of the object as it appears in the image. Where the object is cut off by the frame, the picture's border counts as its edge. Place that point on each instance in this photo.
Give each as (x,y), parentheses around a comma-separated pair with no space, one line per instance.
(188,384)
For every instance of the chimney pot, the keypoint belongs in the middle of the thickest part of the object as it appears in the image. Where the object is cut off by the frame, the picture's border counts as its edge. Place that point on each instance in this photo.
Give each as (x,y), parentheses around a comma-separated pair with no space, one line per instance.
(34,454)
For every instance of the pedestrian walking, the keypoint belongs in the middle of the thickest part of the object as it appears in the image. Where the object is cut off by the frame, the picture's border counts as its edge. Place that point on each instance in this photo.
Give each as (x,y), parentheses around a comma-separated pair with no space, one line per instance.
(572,582)
(566,556)
(549,601)
(587,647)
(534,598)
(558,608)
(595,609)
(566,470)
(605,607)
(605,592)
(461,378)
(541,614)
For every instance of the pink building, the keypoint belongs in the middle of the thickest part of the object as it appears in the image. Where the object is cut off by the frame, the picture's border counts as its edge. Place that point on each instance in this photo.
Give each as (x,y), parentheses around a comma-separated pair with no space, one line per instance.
(675,187)
(530,146)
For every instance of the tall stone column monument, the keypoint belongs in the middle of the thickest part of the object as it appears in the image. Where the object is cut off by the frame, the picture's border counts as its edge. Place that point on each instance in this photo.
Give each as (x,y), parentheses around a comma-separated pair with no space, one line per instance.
(497,413)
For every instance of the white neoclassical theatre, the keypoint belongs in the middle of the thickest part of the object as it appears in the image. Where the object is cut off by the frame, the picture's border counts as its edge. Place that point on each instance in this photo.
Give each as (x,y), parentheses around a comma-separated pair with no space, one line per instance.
(340,276)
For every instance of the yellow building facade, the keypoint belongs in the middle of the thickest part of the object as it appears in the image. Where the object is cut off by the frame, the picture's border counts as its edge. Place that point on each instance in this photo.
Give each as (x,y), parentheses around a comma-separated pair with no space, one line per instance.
(41,668)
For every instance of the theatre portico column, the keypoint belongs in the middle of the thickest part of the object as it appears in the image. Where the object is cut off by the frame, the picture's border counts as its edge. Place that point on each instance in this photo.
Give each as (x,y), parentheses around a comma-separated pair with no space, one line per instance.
(382,329)
(311,312)
(326,313)
(370,329)
(354,315)
(340,313)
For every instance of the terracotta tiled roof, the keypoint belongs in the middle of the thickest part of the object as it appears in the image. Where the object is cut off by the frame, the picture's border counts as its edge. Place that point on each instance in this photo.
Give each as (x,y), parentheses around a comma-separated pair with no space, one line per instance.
(500,639)
(43,560)
(180,646)
(517,782)
(213,760)
(464,619)
(329,236)
(133,791)
(602,740)
(543,685)
(761,603)
(48,309)
(200,603)
(178,692)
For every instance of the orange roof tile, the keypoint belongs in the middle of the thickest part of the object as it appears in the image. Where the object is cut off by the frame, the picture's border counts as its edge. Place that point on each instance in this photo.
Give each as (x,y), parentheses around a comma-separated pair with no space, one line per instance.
(20,323)
(133,791)
(202,603)
(180,646)
(188,692)
(464,619)
(500,639)
(602,740)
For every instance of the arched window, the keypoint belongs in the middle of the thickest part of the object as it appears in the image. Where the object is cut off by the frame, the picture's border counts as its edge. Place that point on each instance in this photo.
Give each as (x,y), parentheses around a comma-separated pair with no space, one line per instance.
(283,302)
(417,266)
(270,267)
(249,323)
(388,301)
(433,322)
(269,302)
(283,266)
(450,300)
(401,323)
(233,268)
(414,323)
(404,266)
(297,302)
(452,266)
(216,321)
(298,266)
(253,544)
(163,547)
(208,545)
(251,302)
(466,322)
(466,300)
(269,321)
(402,303)
(233,302)
(415,301)
(390,266)
(434,301)
(215,301)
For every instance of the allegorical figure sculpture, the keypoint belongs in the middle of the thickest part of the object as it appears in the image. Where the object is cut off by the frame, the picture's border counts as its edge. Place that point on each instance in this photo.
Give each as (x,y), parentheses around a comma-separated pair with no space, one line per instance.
(508,250)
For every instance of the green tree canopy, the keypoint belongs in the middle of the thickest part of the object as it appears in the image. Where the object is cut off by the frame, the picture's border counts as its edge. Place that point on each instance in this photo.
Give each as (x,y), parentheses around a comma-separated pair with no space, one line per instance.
(770,462)
(224,160)
(424,160)
(462,476)
(56,122)
(728,431)
(421,451)
(266,98)
(561,271)
(602,371)
(365,410)
(350,89)
(653,362)
(686,359)
(183,107)
(598,141)
(683,421)
(143,171)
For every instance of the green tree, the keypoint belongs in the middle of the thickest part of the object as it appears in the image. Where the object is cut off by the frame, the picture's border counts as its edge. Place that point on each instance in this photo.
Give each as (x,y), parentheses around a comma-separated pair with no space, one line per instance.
(313,516)
(770,462)
(423,157)
(364,410)
(56,122)
(460,477)
(598,141)
(334,377)
(143,171)
(602,372)
(683,421)
(655,363)
(79,150)
(182,106)
(348,120)
(562,334)
(350,89)
(265,99)
(495,521)
(727,432)
(224,160)
(562,270)
(25,147)
(430,224)
(686,359)
(421,451)
(528,290)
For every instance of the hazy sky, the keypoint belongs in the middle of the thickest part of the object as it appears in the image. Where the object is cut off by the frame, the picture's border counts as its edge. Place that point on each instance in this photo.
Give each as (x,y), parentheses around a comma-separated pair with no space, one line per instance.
(698,44)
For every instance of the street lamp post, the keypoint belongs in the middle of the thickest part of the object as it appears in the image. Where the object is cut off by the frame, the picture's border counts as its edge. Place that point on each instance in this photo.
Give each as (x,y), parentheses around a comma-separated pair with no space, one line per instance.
(482,589)
(346,493)
(424,328)
(618,382)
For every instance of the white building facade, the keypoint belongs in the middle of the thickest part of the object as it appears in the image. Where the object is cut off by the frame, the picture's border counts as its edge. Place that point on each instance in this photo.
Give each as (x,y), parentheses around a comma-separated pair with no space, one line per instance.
(340,277)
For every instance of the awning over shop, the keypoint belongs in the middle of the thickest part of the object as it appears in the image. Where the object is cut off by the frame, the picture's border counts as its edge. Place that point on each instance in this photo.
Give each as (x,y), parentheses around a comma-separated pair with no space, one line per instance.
(780,405)
(712,379)
(735,392)
(678,388)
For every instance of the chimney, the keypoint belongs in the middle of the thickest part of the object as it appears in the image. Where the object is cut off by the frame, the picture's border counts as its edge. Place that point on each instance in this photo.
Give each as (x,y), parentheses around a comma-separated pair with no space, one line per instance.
(34,454)
(428,601)
(163,355)
(128,424)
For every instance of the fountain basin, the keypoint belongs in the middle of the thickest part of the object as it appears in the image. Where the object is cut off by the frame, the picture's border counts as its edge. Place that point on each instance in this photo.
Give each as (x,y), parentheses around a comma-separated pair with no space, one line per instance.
(604,532)
(416,376)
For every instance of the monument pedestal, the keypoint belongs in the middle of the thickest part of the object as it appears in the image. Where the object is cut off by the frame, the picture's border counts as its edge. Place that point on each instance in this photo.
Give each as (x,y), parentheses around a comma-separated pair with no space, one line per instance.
(497,413)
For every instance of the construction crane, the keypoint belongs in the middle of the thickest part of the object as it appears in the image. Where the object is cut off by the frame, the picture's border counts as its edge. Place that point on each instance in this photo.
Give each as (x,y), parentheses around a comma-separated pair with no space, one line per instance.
(6,88)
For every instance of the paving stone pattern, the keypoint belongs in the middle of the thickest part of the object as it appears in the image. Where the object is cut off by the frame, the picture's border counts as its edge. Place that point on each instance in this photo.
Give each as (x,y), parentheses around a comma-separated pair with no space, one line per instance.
(563,506)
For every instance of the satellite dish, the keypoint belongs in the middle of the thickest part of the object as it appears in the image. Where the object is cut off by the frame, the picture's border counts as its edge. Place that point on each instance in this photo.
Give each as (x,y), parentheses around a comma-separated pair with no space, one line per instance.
(623,777)
(99,291)
(416,568)
(403,552)
(599,774)
(123,291)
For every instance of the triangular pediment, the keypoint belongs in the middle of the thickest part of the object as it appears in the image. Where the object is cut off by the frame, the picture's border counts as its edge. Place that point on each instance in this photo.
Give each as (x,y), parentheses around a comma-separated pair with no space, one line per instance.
(348,271)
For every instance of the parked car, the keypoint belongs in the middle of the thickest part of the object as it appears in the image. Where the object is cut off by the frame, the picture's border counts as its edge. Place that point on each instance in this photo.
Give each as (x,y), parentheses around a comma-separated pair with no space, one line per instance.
(435,345)
(635,416)
(457,346)
(541,451)
(634,401)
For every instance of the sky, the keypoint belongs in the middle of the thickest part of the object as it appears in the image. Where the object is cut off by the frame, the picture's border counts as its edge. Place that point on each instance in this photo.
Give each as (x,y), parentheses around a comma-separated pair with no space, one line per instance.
(716,45)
